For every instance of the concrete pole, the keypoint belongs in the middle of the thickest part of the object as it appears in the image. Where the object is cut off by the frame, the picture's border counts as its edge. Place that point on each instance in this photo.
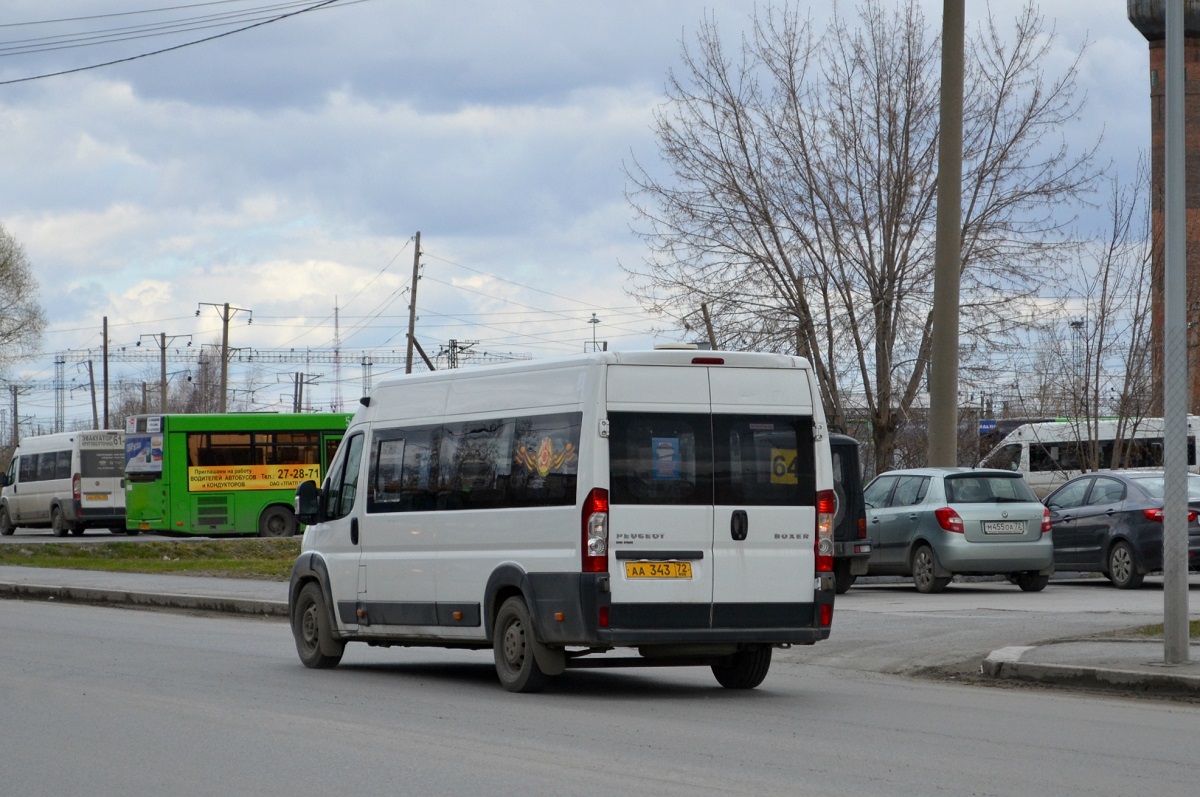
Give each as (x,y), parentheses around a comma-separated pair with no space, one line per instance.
(105,369)
(943,365)
(224,357)
(1175,355)
(412,307)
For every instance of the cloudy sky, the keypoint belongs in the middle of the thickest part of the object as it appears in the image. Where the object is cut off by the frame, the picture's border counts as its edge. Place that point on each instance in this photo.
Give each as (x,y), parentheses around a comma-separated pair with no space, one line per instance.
(284,170)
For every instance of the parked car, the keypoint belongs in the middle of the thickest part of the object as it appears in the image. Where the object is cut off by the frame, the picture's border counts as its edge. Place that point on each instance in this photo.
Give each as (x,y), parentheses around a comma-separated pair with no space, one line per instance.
(851,548)
(1112,522)
(934,523)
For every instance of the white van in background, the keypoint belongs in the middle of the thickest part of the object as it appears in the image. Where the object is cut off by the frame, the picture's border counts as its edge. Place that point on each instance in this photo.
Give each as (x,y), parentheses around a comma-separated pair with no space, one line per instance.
(1049,453)
(675,503)
(69,481)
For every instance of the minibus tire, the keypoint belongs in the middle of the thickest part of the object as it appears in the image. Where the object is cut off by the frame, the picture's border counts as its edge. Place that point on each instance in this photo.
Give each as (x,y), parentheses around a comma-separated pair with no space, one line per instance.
(512,648)
(6,526)
(746,669)
(58,523)
(310,626)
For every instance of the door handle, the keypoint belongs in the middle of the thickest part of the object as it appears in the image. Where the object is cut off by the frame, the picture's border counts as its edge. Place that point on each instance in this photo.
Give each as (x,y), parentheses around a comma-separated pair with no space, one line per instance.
(354,531)
(739,525)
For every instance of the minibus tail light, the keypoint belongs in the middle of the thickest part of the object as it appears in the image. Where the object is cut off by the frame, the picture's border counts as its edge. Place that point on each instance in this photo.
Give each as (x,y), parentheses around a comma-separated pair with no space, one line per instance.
(826,506)
(595,531)
(76,483)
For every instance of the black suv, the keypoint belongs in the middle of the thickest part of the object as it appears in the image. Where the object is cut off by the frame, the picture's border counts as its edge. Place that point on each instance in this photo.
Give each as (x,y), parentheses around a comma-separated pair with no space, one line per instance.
(851,548)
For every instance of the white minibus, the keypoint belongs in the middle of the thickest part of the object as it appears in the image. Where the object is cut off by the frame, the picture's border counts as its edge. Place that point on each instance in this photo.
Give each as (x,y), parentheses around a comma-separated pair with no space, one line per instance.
(68,482)
(677,504)
(1049,453)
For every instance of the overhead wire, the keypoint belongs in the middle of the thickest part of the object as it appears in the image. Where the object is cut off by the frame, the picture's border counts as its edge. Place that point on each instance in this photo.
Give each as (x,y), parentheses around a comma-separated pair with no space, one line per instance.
(319,4)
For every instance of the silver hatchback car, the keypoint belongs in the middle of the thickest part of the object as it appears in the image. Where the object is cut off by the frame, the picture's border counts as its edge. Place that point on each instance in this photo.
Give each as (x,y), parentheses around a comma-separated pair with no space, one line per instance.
(933,523)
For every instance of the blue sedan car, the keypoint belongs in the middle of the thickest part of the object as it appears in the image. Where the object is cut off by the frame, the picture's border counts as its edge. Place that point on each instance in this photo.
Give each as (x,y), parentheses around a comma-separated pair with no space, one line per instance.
(1111,522)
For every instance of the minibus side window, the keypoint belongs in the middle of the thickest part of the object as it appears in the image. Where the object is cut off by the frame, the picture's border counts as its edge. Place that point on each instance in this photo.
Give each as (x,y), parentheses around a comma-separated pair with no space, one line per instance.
(343,482)
(47,465)
(62,465)
(403,467)
(544,460)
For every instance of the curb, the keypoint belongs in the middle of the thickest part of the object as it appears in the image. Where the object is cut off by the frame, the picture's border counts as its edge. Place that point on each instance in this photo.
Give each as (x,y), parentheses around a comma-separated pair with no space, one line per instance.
(1006,663)
(119,597)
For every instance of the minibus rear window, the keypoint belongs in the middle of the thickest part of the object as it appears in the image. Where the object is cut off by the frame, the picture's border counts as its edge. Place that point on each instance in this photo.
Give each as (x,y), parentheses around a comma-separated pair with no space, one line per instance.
(660,458)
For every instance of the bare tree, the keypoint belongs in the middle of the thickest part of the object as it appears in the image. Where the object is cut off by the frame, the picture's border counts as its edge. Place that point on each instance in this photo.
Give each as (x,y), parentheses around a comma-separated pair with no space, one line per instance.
(21,317)
(1106,365)
(798,201)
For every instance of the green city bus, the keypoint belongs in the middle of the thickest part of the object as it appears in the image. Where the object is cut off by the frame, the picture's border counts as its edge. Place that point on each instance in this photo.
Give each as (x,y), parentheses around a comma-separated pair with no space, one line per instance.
(223,474)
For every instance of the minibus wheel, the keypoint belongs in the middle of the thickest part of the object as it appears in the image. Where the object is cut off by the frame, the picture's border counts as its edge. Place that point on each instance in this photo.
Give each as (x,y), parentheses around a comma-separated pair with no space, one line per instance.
(745,669)
(310,626)
(512,646)
(58,523)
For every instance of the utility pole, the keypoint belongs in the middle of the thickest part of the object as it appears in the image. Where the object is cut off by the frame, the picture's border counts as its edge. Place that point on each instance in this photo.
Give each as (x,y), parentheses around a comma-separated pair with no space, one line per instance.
(412,306)
(92,387)
(16,435)
(1176,384)
(60,394)
(105,366)
(298,389)
(227,313)
(163,341)
(943,358)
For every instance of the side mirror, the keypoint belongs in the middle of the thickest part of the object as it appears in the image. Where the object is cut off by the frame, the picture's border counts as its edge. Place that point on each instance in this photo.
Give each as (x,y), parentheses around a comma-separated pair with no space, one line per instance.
(308,504)
(3,479)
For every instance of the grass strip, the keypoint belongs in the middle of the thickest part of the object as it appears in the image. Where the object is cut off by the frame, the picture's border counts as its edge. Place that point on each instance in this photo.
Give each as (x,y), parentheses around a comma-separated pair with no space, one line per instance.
(269,560)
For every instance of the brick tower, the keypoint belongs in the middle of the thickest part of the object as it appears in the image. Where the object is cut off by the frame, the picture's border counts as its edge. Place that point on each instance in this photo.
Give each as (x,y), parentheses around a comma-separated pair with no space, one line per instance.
(1149,17)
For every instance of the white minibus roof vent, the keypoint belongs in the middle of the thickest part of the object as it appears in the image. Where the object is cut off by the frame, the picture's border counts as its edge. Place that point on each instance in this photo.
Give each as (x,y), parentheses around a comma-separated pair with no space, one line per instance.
(675,347)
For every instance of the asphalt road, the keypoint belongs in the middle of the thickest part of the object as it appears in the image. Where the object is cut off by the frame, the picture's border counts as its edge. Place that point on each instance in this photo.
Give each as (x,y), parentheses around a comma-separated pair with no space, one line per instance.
(104,701)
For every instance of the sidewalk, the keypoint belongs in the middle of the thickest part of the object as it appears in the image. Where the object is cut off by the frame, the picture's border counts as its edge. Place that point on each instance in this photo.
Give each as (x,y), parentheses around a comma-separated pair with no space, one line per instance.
(1125,665)
(1131,666)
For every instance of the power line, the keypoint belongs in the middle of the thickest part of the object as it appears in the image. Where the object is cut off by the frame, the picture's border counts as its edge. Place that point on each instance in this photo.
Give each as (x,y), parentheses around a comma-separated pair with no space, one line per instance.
(313,7)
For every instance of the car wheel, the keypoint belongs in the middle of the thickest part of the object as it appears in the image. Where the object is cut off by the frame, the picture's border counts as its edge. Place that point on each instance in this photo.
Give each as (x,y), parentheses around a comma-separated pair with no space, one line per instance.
(1122,567)
(1031,581)
(923,563)
(116,530)
(77,530)
(311,628)
(277,521)
(58,523)
(843,579)
(746,669)
(512,648)
(6,526)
